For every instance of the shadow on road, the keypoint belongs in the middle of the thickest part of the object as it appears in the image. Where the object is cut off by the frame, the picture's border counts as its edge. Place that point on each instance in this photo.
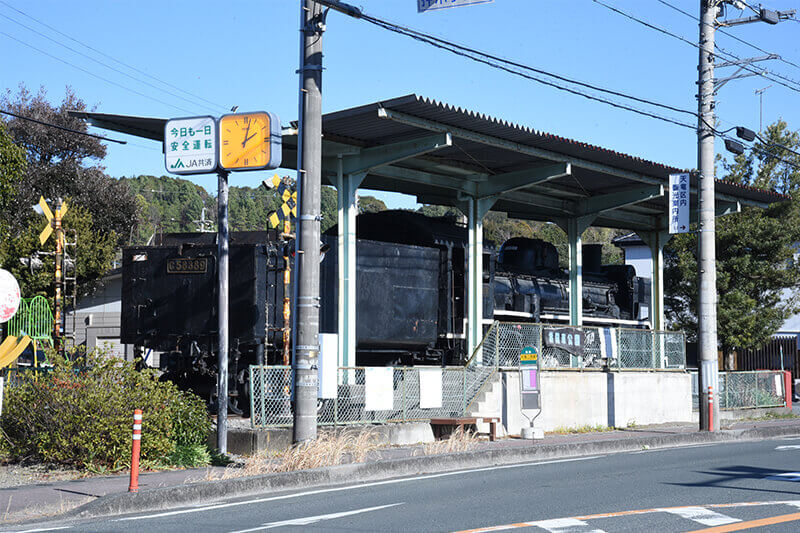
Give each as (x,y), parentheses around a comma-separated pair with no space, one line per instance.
(724,477)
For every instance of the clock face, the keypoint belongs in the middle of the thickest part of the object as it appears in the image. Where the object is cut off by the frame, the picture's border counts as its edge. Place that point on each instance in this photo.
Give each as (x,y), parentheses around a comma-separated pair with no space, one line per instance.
(244,141)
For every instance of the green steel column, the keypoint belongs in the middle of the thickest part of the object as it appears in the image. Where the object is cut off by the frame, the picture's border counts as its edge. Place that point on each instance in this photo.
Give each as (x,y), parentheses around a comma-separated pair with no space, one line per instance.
(575,272)
(347,185)
(475,288)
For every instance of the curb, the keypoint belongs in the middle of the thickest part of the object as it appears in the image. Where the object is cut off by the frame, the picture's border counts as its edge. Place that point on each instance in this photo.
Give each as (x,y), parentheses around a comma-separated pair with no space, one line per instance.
(170,497)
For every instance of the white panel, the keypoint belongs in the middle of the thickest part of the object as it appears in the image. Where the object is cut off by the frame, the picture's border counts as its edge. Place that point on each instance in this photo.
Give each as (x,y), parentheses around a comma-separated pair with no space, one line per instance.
(111,346)
(328,364)
(430,388)
(379,389)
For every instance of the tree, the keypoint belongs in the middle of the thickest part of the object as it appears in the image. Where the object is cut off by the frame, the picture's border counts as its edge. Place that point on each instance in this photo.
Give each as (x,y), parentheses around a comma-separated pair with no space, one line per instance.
(12,169)
(756,262)
(370,204)
(64,164)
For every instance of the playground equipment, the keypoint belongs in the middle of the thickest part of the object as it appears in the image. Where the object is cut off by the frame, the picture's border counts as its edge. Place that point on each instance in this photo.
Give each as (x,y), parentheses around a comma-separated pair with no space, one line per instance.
(34,321)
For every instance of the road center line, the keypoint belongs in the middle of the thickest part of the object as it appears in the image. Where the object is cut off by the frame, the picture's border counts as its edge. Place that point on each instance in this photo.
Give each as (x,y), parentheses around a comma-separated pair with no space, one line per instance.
(351,487)
(751,524)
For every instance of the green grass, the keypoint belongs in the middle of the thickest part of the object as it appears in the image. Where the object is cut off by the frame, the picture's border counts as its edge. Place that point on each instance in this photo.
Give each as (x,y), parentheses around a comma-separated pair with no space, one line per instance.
(581,429)
(772,415)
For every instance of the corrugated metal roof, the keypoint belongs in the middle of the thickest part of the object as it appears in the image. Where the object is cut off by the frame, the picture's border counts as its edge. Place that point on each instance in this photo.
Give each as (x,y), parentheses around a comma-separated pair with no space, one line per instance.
(482,146)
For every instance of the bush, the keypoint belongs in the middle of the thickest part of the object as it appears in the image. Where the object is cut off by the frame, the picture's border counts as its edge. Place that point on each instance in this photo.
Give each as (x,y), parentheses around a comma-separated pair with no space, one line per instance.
(81,414)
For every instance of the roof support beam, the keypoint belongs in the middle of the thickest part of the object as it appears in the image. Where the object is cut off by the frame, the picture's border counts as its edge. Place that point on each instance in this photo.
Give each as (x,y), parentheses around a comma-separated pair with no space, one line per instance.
(425,178)
(489,140)
(721,209)
(607,202)
(511,181)
(369,158)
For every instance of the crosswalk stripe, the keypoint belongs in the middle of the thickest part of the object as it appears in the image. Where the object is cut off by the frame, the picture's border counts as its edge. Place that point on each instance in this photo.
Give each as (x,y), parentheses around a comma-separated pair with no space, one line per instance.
(704,516)
(565,525)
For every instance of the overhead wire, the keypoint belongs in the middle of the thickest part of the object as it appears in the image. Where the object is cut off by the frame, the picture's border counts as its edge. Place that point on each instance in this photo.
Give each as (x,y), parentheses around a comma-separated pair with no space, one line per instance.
(134,91)
(731,35)
(63,128)
(506,65)
(106,65)
(108,56)
(723,52)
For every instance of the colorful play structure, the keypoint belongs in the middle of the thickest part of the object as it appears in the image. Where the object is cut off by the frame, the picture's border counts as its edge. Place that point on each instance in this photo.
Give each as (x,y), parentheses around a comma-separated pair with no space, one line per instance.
(32,324)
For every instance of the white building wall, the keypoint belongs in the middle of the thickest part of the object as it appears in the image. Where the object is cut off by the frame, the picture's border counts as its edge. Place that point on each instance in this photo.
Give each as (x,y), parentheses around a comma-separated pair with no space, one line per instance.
(640,258)
(613,399)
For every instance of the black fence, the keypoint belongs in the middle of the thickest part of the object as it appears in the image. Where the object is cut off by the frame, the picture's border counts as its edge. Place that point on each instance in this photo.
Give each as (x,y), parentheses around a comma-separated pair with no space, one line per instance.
(779,353)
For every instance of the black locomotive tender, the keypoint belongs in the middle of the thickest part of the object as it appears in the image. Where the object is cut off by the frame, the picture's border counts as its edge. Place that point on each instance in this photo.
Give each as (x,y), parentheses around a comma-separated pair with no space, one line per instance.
(411,289)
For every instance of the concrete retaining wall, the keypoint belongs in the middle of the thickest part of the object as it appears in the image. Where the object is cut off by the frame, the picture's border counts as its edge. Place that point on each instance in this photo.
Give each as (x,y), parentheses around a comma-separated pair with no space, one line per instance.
(575,399)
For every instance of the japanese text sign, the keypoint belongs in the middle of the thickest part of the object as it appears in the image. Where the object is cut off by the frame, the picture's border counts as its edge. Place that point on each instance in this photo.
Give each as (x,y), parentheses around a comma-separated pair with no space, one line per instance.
(190,145)
(679,203)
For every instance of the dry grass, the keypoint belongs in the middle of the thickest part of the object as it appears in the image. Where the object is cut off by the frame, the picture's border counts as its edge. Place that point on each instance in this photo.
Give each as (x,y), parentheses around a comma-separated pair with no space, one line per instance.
(459,441)
(329,449)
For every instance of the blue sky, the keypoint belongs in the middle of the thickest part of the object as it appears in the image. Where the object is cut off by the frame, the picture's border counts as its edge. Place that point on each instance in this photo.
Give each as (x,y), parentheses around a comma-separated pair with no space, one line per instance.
(245,53)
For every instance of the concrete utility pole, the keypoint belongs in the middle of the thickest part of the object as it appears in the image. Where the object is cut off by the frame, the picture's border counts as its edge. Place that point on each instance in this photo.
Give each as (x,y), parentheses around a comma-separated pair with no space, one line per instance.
(707,306)
(309,176)
(222,311)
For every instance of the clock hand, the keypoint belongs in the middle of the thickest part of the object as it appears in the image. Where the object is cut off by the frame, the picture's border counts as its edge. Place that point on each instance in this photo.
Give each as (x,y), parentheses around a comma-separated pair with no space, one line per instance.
(246,138)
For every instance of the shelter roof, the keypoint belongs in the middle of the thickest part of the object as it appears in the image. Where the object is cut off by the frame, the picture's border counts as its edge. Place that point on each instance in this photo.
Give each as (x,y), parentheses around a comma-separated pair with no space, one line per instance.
(443,154)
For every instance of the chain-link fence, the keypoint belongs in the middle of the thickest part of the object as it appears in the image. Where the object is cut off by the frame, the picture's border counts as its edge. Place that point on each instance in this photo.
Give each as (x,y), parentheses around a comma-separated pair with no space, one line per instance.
(582,347)
(271,390)
(745,390)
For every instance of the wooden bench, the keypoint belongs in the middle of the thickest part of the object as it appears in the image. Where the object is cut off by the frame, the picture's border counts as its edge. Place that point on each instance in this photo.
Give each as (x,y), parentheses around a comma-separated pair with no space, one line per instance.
(440,424)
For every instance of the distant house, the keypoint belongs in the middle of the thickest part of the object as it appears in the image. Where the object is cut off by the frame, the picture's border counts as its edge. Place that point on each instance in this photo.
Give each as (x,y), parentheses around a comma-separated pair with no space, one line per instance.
(98,316)
(635,253)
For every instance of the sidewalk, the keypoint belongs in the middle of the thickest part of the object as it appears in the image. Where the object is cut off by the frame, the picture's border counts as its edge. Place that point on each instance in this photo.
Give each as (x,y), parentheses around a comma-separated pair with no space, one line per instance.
(186,486)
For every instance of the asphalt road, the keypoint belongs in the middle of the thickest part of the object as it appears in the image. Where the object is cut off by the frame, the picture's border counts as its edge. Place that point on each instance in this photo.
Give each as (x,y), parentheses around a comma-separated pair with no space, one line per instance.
(719,487)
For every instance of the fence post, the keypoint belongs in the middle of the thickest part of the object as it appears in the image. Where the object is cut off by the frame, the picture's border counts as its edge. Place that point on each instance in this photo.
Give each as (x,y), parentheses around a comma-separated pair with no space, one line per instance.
(787,389)
(464,392)
(135,450)
(405,412)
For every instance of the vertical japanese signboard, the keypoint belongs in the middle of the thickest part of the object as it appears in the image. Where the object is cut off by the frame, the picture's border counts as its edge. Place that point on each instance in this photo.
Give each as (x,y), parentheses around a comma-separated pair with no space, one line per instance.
(529,378)
(679,203)
(431,5)
(190,145)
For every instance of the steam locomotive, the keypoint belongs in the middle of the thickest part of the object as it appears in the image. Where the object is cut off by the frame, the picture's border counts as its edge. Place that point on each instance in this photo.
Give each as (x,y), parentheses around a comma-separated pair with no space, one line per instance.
(410,295)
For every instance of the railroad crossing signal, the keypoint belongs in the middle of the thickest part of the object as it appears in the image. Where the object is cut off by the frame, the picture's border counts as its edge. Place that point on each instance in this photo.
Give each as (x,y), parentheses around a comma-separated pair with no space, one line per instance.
(288,209)
(52,219)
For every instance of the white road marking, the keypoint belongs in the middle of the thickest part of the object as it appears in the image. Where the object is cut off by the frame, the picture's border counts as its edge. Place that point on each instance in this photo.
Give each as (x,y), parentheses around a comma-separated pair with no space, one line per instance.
(704,516)
(351,487)
(785,476)
(314,519)
(789,447)
(42,529)
(565,525)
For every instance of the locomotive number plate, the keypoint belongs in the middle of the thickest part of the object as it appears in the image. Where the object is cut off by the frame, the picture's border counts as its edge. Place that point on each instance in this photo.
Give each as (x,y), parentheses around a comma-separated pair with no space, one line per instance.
(187,265)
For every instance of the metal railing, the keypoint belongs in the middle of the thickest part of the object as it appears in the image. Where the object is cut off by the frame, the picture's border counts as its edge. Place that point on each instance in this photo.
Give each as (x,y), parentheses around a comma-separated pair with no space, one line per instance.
(631,349)
(270,398)
(746,390)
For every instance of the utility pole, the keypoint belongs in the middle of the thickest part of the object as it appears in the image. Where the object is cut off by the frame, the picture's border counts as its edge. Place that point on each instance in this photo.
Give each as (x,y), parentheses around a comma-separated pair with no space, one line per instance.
(707,307)
(222,311)
(707,269)
(309,175)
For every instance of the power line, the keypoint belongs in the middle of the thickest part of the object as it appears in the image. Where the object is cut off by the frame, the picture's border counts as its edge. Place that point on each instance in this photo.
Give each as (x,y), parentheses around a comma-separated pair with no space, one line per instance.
(156,87)
(109,56)
(506,65)
(733,36)
(723,52)
(93,74)
(63,128)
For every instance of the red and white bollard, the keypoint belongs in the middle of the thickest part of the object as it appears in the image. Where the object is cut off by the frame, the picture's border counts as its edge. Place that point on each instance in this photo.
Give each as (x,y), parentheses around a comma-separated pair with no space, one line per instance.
(710,408)
(137,440)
